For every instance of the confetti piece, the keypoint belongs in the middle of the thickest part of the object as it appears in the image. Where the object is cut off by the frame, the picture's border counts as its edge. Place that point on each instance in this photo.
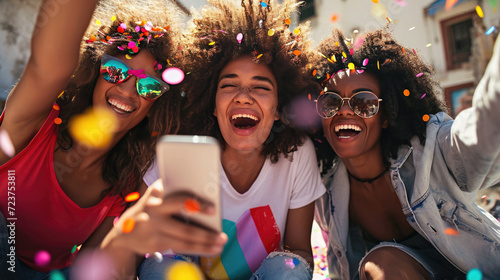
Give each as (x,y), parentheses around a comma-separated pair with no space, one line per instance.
(259,56)
(448,231)
(42,258)
(378,65)
(93,128)
(296,52)
(314,72)
(184,271)
(309,96)
(173,75)
(128,225)
(211,43)
(419,74)
(474,274)
(92,264)
(73,250)
(479,11)
(113,18)
(263,4)
(6,144)
(351,66)
(192,206)
(60,94)
(428,45)
(351,51)
(365,61)
(425,118)
(127,56)
(158,257)
(98,22)
(412,28)
(239,37)
(57,121)
(288,21)
(334,18)
(154,133)
(401,3)
(449,4)
(406,92)
(375,1)
(133,196)
(270,32)
(56,275)
(296,31)
(490,30)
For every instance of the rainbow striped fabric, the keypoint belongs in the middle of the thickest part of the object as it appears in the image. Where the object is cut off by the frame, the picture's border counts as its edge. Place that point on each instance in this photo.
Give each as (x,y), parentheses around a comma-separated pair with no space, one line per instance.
(251,239)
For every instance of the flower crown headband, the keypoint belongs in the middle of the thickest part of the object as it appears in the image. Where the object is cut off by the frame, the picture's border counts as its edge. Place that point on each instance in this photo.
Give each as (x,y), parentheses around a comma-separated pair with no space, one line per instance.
(131,39)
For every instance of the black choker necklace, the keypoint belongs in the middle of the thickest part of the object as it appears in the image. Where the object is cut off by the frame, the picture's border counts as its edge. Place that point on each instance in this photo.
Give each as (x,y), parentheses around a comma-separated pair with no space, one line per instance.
(371,179)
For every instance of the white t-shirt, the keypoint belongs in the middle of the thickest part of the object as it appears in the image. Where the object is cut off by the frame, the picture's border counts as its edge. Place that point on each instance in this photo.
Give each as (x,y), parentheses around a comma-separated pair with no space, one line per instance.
(255,220)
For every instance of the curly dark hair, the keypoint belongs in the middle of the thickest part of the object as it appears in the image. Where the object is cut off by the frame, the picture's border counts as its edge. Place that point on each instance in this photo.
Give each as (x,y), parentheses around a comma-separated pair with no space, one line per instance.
(212,43)
(397,68)
(130,158)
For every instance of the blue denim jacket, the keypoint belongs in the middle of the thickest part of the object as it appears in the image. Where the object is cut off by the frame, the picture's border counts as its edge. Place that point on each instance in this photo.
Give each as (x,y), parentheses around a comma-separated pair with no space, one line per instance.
(436,185)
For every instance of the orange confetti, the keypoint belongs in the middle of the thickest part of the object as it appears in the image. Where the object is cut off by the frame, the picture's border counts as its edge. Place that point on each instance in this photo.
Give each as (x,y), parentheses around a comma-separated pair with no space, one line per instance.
(309,96)
(450,231)
(92,38)
(57,121)
(56,107)
(334,18)
(192,205)
(425,117)
(154,133)
(288,21)
(296,52)
(60,94)
(315,72)
(133,196)
(375,1)
(449,4)
(404,51)
(406,92)
(128,225)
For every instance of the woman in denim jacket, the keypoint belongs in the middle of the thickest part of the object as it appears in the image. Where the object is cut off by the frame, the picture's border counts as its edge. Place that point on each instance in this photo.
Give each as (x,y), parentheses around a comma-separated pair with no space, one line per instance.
(403,175)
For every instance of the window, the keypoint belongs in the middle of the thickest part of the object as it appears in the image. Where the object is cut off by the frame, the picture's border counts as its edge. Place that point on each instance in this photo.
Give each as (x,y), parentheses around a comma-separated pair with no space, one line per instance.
(307,10)
(457,40)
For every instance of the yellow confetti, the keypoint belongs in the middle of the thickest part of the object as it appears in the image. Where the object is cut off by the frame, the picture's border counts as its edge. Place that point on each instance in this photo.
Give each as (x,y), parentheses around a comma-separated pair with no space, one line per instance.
(375,1)
(296,31)
(113,18)
(127,56)
(60,94)
(184,271)
(425,118)
(479,11)
(270,32)
(98,22)
(336,43)
(94,127)
(351,66)
(259,55)
(428,45)
(333,58)
(378,65)
(133,196)
(211,43)
(344,55)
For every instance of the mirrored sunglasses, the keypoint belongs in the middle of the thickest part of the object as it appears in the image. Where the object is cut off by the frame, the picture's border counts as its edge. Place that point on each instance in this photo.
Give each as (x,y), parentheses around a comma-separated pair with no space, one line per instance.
(364,104)
(116,71)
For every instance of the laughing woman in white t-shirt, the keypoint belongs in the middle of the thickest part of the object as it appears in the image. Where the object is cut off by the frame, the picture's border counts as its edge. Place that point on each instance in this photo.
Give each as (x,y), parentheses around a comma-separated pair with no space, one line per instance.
(244,77)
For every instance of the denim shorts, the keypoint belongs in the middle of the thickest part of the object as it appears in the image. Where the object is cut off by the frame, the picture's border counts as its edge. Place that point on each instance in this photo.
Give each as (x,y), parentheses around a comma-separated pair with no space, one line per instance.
(424,253)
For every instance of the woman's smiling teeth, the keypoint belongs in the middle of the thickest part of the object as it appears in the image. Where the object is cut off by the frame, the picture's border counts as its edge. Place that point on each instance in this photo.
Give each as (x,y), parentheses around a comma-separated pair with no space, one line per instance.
(347,130)
(120,107)
(244,121)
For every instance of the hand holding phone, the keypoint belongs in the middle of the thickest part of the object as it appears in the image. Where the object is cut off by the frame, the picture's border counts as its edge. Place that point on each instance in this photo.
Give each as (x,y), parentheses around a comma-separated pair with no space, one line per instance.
(190,164)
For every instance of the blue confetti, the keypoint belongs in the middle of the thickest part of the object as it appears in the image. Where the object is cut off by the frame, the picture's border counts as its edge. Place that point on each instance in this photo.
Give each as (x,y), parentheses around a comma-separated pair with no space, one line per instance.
(474,274)
(489,31)
(263,4)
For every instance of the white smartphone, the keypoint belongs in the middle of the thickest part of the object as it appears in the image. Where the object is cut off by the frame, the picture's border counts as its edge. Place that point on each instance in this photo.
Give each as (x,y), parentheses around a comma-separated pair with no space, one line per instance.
(190,164)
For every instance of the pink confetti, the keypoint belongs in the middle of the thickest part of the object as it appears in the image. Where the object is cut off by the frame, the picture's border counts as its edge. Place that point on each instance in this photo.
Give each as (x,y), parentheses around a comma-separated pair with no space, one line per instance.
(92,264)
(131,44)
(173,75)
(239,37)
(359,41)
(139,73)
(123,25)
(137,28)
(401,3)
(351,51)
(423,95)
(419,74)
(42,258)
(365,62)
(6,144)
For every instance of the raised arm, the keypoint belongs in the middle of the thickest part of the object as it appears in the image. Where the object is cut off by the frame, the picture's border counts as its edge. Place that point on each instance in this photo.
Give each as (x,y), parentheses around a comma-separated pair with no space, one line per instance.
(55,46)
(475,134)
